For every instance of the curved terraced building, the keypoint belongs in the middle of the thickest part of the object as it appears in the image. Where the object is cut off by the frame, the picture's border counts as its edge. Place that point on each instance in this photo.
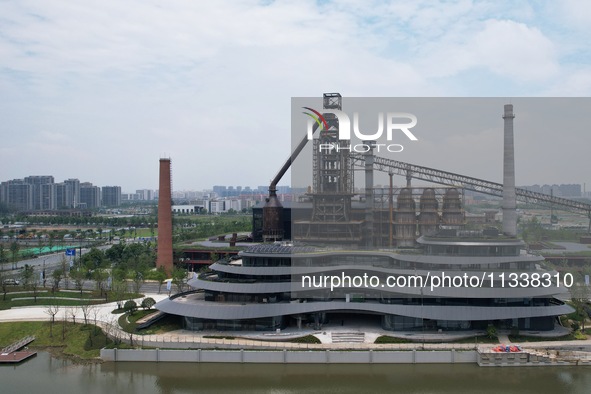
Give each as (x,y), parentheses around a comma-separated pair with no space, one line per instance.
(446,279)
(262,290)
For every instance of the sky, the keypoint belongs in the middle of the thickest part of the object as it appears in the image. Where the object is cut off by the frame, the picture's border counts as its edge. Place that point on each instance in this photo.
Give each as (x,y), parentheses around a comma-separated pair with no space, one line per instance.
(100,90)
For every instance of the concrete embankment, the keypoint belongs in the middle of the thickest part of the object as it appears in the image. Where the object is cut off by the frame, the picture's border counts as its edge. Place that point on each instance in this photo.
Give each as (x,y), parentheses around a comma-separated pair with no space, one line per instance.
(290,356)
(482,357)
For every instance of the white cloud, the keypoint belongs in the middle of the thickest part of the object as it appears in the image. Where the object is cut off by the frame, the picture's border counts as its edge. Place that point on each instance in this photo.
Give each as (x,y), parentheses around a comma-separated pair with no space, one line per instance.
(502,47)
(138,78)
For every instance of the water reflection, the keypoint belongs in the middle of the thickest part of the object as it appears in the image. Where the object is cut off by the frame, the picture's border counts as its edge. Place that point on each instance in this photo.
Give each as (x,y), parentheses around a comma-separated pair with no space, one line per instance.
(46,374)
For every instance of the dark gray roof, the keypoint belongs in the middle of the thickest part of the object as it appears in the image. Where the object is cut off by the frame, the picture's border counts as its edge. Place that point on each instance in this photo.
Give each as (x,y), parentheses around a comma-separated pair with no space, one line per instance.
(449,292)
(232,311)
(277,249)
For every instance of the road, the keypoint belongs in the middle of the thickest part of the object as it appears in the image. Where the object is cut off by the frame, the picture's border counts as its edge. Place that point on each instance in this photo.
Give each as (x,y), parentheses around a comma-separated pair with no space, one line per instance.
(50,262)
(53,261)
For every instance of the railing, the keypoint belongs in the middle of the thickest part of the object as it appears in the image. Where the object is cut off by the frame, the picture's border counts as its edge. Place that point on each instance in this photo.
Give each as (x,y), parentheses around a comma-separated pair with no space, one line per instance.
(18,345)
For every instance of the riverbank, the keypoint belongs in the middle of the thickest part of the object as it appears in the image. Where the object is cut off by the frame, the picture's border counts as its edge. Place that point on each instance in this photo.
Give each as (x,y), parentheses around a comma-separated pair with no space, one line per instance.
(422,343)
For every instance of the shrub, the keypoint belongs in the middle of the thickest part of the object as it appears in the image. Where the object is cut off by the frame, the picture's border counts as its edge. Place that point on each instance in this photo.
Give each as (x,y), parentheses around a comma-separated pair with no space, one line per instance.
(306,339)
(389,339)
(148,303)
(491,332)
(130,306)
(580,336)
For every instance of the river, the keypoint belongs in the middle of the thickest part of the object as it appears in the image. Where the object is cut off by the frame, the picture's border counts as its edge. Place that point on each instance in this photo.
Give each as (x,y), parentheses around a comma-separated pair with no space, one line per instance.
(45,374)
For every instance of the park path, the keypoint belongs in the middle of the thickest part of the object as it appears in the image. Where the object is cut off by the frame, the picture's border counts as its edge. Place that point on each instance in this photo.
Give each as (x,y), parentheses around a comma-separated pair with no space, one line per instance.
(185,339)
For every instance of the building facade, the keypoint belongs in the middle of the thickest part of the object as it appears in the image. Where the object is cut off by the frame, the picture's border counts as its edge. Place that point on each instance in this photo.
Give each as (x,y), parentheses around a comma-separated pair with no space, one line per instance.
(111,196)
(274,286)
(90,196)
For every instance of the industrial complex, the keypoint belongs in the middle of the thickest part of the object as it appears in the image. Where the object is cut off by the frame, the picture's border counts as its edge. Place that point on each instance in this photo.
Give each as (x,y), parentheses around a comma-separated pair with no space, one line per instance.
(402,259)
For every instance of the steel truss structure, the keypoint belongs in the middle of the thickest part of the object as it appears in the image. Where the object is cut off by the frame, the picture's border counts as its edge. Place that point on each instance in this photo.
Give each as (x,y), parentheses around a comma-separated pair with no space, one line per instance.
(479,185)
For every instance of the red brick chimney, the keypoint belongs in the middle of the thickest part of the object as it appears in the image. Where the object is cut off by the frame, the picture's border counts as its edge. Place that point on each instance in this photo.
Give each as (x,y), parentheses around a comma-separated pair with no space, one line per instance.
(164,257)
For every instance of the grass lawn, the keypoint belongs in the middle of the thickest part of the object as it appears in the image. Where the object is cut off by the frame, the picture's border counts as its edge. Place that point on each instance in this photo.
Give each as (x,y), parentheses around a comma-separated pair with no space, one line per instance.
(128,322)
(389,339)
(143,232)
(78,340)
(479,339)
(166,324)
(306,339)
(6,302)
(523,338)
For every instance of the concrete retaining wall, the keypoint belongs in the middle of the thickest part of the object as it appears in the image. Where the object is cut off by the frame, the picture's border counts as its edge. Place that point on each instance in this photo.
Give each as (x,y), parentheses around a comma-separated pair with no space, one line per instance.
(290,357)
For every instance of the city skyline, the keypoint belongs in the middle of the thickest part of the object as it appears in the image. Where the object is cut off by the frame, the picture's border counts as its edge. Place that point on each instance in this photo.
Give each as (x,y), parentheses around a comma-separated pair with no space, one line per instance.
(92,196)
(574,189)
(99,92)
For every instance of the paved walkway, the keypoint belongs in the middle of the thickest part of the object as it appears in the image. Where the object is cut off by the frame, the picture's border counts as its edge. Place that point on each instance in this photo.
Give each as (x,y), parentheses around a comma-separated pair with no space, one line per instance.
(503,338)
(191,339)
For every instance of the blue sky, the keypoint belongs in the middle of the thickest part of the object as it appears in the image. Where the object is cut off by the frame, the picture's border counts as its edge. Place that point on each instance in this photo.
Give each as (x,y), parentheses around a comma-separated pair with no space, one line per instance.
(100,90)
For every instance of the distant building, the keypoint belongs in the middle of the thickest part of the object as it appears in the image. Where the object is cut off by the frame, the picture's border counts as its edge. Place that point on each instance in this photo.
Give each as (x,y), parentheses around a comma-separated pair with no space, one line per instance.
(39,194)
(187,209)
(38,181)
(562,190)
(145,194)
(218,206)
(111,196)
(48,196)
(90,195)
(130,197)
(72,193)
(17,194)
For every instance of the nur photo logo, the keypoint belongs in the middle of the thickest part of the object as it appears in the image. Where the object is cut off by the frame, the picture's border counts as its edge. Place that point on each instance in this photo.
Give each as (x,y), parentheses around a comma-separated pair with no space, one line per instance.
(389,123)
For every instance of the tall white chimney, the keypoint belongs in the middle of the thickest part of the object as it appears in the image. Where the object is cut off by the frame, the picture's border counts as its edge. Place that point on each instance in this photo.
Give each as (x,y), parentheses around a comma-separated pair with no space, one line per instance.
(509,199)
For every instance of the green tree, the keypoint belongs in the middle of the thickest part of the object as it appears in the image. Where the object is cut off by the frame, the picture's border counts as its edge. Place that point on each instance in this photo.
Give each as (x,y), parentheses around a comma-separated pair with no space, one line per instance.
(179,278)
(27,273)
(40,242)
(4,285)
(119,289)
(148,303)
(52,309)
(78,275)
(93,259)
(64,266)
(100,276)
(51,241)
(115,253)
(160,276)
(130,307)
(57,276)
(139,267)
(2,253)
(14,249)
(579,297)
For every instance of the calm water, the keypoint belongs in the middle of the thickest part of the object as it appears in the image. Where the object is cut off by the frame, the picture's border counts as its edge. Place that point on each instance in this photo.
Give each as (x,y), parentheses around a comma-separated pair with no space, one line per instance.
(45,374)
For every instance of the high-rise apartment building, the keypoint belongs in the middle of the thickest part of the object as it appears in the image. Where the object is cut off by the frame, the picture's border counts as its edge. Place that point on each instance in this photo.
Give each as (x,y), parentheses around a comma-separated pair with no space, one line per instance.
(90,196)
(17,194)
(37,181)
(48,196)
(111,196)
(145,194)
(72,193)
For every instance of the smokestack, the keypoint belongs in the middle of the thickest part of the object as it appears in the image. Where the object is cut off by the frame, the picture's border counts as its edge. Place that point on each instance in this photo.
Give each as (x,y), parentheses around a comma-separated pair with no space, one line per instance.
(164,257)
(509,199)
(369,160)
